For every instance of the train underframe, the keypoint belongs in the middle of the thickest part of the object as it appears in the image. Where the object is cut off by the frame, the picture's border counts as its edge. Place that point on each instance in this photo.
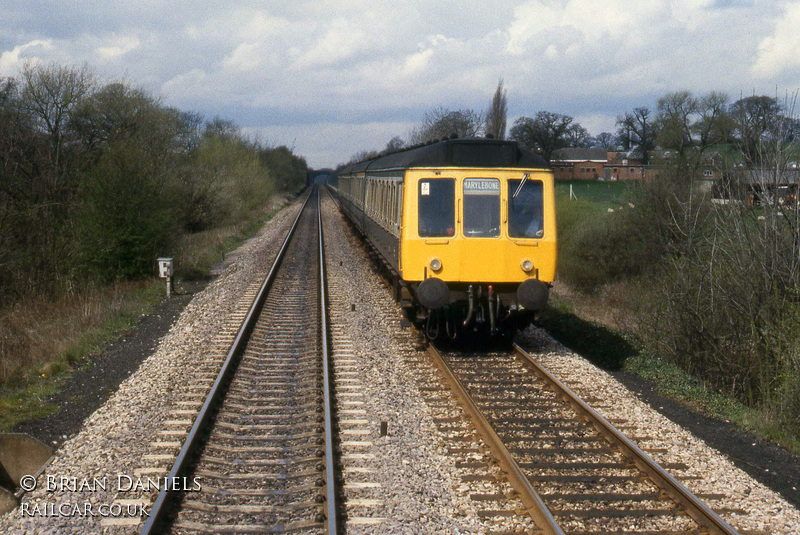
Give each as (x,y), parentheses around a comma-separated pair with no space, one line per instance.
(478,310)
(470,312)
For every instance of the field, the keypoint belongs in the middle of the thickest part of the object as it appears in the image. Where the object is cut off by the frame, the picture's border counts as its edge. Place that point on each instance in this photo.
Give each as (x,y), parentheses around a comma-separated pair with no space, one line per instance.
(602,193)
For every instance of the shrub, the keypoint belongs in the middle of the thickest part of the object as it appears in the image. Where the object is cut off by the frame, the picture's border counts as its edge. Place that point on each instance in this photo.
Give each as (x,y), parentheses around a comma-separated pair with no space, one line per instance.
(127,214)
(596,248)
(228,183)
(727,310)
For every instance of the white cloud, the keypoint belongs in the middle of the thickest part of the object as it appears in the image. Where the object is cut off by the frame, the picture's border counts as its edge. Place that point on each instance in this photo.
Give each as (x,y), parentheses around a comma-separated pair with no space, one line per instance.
(780,51)
(417,62)
(119,46)
(12,61)
(340,42)
(328,144)
(190,85)
(282,64)
(260,26)
(592,23)
(244,58)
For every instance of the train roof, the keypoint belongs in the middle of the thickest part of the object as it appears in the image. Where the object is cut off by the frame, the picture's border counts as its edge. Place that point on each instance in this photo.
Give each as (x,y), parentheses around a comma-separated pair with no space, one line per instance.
(467,152)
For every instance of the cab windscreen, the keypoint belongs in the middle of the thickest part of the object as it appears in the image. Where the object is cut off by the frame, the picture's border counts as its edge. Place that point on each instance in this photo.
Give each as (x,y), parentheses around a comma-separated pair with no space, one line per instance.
(437,208)
(481,208)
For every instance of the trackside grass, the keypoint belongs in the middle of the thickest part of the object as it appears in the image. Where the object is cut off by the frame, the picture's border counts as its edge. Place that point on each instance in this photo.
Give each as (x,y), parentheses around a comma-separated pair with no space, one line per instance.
(43,340)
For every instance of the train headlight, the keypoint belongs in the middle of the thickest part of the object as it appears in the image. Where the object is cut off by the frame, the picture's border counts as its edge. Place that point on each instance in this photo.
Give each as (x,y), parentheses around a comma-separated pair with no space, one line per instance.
(527,266)
(436,264)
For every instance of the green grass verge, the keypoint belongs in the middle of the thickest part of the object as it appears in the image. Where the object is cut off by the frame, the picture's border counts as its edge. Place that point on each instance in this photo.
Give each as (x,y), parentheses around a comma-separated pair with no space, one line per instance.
(27,402)
(597,191)
(23,398)
(674,383)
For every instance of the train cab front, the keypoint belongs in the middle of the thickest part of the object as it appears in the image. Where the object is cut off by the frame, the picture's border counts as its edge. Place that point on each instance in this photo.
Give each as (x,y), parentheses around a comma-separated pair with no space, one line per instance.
(478,250)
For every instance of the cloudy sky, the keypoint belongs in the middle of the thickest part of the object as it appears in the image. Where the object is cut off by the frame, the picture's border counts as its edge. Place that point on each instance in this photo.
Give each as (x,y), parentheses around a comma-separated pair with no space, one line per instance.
(331,78)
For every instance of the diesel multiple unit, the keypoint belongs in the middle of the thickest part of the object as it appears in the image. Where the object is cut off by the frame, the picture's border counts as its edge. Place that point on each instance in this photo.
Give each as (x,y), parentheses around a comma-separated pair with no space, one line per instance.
(465,227)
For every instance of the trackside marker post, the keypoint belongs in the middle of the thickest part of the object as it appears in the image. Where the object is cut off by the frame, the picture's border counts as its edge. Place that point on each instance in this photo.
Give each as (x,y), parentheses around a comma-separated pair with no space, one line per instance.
(165,272)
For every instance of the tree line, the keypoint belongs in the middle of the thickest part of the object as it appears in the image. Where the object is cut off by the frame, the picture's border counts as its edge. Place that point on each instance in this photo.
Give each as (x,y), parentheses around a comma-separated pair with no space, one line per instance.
(682,122)
(98,178)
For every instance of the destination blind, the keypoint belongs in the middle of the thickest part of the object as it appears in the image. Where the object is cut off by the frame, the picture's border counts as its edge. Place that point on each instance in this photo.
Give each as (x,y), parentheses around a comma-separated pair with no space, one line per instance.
(481,186)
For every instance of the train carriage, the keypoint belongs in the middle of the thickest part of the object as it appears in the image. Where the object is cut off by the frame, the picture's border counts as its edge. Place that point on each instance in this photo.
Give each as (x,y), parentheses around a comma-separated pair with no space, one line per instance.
(466,227)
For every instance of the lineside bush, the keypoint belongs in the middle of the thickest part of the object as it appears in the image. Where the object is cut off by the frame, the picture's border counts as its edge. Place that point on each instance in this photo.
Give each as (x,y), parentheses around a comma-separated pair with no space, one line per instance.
(718,280)
(718,285)
(597,248)
(727,311)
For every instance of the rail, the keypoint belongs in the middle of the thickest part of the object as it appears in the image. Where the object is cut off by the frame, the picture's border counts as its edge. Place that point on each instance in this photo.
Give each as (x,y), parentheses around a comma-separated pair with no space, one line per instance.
(530,499)
(158,513)
(696,509)
(327,381)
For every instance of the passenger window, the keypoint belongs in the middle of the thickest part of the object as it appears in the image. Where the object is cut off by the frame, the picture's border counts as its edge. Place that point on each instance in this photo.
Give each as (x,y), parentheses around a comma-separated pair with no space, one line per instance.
(437,208)
(481,207)
(525,212)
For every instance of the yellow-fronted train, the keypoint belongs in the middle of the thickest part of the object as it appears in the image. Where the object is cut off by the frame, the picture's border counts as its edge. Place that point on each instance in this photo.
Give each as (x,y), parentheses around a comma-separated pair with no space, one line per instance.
(465,228)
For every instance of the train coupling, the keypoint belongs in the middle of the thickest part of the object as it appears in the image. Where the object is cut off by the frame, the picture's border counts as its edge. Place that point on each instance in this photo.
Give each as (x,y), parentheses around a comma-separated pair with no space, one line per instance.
(492,325)
(470,305)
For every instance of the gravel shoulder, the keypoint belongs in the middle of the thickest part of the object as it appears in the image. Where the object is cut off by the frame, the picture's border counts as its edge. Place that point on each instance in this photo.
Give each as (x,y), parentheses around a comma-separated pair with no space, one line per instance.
(767,463)
(745,503)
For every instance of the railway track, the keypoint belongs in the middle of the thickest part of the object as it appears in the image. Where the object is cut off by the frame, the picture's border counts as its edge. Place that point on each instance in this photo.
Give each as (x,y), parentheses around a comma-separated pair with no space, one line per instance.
(571,469)
(260,455)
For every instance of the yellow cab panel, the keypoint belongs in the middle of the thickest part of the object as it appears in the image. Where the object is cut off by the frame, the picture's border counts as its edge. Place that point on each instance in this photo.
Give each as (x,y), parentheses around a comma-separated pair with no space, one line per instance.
(478,225)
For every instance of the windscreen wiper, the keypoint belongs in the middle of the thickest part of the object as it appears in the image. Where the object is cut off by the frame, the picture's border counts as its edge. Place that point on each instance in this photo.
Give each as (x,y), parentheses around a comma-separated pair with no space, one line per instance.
(519,188)
(525,177)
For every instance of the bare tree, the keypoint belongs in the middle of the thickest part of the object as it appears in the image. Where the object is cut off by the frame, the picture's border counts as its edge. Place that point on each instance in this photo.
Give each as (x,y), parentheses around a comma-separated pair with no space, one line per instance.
(756,120)
(49,94)
(636,129)
(546,132)
(442,123)
(496,117)
(690,125)
(578,136)
(714,124)
(676,113)
(605,140)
